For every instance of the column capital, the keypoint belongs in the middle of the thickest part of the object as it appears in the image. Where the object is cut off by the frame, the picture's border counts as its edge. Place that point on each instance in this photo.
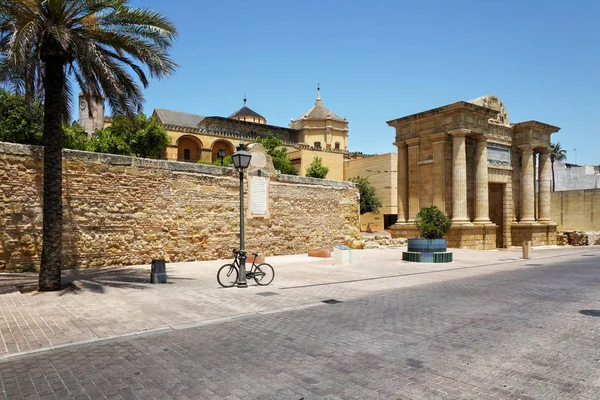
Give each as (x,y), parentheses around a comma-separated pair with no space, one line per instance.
(481,139)
(413,142)
(438,136)
(526,147)
(545,150)
(400,144)
(459,132)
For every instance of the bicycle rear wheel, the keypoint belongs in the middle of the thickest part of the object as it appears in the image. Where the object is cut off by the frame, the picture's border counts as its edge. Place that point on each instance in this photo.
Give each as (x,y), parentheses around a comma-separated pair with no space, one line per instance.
(227,275)
(264,274)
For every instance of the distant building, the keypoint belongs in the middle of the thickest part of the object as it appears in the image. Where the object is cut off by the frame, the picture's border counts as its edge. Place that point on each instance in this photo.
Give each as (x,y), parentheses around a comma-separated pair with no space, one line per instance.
(317,132)
(575,177)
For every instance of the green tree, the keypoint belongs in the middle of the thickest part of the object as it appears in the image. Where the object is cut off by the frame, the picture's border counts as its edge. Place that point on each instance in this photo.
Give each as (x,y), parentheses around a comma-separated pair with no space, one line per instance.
(226,162)
(75,137)
(316,169)
(20,122)
(281,161)
(558,154)
(136,136)
(369,201)
(98,43)
(432,223)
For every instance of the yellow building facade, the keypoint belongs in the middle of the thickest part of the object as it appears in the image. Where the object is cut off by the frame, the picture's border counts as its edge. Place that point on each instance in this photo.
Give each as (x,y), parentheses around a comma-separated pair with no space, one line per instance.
(316,133)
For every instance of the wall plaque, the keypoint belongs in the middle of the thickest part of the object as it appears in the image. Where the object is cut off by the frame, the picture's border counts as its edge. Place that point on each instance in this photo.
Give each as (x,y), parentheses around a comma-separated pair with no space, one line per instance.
(499,154)
(259,196)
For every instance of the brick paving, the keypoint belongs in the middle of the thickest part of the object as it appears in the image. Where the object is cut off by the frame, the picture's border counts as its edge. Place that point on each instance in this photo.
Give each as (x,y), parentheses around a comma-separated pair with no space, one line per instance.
(490,326)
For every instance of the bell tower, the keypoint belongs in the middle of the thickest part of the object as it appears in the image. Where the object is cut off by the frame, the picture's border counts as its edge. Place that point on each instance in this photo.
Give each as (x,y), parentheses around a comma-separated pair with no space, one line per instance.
(96,120)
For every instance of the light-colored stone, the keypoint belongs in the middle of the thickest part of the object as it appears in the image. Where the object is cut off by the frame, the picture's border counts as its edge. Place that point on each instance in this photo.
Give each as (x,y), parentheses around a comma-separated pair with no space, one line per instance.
(125,211)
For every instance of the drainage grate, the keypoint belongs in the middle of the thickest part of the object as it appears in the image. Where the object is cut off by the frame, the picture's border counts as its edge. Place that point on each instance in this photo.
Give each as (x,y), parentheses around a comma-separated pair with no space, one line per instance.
(267,294)
(591,313)
(331,301)
(534,265)
(587,255)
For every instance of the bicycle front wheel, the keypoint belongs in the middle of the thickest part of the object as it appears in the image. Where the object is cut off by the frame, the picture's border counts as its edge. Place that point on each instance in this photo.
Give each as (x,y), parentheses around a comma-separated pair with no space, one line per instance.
(264,274)
(227,275)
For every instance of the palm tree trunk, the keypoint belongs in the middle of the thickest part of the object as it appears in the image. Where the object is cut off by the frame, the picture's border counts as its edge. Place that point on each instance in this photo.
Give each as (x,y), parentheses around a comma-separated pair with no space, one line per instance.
(553,180)
(51,263)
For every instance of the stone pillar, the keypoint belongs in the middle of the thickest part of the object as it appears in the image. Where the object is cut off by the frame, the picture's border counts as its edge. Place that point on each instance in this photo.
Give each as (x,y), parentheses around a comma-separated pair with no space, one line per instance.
(413,179)
(482,194)
(402,182)
(459,176)
(544,184)
(527,185)
(439,170)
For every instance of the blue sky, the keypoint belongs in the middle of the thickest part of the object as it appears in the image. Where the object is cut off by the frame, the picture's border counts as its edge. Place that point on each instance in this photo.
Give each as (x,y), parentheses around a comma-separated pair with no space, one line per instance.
(381,60)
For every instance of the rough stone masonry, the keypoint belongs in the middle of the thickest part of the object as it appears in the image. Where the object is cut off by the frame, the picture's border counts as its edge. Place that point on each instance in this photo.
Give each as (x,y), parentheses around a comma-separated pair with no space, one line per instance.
(124,211)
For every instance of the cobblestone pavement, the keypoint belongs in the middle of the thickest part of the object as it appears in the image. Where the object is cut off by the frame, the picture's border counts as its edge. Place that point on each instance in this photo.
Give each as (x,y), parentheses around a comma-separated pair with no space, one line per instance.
(515,334)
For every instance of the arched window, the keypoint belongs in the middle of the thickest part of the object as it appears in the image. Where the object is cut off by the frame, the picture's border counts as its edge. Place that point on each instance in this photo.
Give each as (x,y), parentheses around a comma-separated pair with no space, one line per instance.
(317,145)
(337,145)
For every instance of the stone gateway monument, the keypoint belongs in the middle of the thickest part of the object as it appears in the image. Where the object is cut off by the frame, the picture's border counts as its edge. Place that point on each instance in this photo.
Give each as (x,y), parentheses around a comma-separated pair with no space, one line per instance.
(492,177)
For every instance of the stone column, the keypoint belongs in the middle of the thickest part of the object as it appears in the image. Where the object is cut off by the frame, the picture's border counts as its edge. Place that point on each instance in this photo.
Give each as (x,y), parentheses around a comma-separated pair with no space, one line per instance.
(402,182)
(482,194)
(459,176)
(527,185)
(413,179)
(439,170)
(544,184)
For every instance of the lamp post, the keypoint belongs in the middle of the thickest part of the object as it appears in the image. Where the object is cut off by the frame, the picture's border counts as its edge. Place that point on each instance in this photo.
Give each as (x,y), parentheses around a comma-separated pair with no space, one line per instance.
(221,155)
(241,161)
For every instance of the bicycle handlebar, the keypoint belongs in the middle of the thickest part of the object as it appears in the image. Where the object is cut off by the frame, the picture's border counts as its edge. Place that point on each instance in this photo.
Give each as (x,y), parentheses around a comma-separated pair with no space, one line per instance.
(236,251)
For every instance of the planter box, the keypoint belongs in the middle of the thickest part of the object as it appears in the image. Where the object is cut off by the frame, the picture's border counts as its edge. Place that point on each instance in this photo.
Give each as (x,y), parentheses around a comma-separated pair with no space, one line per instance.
(421,245)
(427,250)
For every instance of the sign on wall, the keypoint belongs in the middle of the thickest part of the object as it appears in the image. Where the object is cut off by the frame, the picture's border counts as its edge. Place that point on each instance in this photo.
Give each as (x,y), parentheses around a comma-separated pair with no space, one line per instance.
(259,196)
(499,154)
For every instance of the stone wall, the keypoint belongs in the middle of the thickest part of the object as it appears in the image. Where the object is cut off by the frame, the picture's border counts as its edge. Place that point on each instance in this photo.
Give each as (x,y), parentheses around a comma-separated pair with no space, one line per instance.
(576,209)
(122,211)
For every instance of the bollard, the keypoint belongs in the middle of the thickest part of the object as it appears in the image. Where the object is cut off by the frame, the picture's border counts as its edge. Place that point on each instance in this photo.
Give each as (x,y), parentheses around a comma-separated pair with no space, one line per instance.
(158,272)
(526,249)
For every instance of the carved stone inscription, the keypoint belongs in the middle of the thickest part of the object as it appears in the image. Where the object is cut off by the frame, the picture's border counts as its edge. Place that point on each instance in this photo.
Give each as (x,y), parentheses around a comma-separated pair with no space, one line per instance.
(498,154)
(259,196)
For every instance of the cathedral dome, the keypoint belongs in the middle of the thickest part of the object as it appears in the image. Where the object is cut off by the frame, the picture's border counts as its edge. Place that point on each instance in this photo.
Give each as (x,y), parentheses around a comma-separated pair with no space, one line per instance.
(247,114)
(319,112)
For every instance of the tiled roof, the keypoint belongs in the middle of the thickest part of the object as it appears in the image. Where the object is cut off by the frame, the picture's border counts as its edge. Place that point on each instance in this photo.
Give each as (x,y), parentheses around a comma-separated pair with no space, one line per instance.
(319,111)
(246,112)
(168,117)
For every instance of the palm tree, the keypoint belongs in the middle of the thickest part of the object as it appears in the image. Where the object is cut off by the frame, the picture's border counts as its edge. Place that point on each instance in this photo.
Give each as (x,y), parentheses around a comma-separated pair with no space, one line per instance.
(97,43)
(558,154)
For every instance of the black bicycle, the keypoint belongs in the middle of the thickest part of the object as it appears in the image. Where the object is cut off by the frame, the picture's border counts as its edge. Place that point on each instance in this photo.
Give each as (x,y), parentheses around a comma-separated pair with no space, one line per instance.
(262,274)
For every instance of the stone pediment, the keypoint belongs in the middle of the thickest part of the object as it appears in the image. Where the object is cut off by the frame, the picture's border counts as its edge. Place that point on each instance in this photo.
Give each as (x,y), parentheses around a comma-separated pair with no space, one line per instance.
(493,103)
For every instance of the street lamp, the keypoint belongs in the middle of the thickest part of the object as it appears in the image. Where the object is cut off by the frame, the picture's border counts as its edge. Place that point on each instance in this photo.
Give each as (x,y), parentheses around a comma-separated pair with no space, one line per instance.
(241,161)
(221,155)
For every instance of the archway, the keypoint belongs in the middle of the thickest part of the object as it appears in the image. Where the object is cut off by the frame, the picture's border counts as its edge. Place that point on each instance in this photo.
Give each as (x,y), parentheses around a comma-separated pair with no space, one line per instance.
(189,149)
(221,144)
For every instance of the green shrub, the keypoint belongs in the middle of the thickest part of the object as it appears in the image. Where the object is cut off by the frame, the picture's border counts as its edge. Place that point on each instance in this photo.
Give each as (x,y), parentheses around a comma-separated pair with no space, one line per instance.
(432,223)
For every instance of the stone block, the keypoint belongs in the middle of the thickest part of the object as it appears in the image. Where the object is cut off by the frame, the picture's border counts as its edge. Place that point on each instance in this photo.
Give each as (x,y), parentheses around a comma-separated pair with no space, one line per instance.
(319,252)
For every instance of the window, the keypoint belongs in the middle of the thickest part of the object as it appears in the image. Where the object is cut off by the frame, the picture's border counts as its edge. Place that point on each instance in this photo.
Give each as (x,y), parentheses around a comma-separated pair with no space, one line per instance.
(318,145)
(187,154)
(337,145)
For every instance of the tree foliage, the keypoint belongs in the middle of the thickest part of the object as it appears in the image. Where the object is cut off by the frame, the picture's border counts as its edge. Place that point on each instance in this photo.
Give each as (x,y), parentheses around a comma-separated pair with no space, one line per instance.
(226,162)
(558,153)
(369,201)
(99,43)
(316,169)
(75,137)
(132,136)
(432,223)
(281,161)
(20,122)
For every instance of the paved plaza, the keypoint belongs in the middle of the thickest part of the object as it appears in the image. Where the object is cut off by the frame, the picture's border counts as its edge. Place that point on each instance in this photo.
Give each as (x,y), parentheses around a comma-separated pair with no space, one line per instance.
(489,325)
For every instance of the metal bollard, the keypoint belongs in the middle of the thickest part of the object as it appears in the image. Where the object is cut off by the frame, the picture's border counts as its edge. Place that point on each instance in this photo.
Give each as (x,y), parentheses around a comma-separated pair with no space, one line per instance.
(158,272)
(526,249)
